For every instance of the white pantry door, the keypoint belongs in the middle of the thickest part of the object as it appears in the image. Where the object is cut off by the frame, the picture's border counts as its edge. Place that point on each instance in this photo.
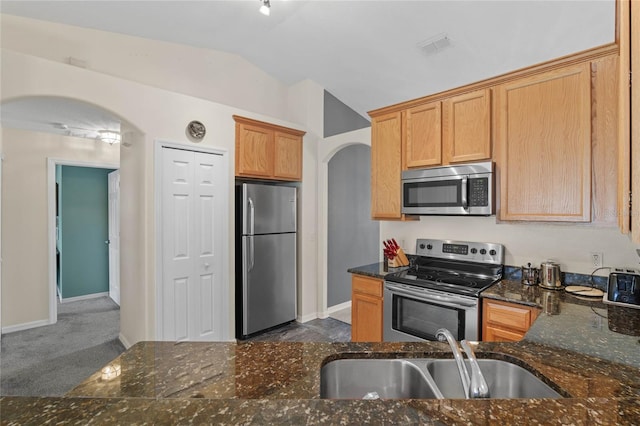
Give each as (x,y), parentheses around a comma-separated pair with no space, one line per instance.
(192,244)
(114,235)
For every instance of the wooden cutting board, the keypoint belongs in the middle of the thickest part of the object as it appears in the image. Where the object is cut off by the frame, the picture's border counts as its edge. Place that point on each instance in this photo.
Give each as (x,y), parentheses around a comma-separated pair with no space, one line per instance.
(581,290)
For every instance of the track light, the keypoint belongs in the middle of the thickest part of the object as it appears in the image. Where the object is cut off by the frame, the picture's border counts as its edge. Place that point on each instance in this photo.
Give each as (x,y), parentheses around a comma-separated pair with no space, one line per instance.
(265,9)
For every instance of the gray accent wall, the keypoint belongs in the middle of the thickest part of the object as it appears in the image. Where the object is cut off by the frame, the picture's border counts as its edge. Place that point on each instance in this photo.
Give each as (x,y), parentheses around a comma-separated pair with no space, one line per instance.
(339,118)
(353,238)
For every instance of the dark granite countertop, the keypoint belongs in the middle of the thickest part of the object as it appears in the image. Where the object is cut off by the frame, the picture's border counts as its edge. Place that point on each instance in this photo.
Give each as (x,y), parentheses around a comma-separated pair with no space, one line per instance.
(279,382)
(374,270)
(580,324)
(269,382)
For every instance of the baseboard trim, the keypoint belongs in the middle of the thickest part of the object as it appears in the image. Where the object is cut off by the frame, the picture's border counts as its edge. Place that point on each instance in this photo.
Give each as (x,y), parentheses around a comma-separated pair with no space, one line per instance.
(336,308)
(85,297)
(124,341)
(24,326)
(307,318)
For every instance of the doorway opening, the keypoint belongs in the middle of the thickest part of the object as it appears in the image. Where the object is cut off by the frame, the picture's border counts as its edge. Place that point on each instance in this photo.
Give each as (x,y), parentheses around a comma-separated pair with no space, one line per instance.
(352,236)
(81,209)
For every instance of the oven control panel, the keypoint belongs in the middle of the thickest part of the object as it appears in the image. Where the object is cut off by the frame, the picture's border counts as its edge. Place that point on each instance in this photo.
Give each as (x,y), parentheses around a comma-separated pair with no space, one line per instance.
(461,250)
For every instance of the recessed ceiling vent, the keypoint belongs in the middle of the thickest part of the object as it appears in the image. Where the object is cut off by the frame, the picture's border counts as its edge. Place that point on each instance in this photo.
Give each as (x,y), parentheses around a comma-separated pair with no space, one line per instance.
(435,44)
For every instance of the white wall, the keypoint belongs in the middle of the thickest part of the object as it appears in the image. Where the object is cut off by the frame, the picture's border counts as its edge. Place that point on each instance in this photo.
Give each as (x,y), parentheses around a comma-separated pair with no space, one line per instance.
(326,151)
(569,244)
(305,107)
(157,115)
(25,234)
(208,74)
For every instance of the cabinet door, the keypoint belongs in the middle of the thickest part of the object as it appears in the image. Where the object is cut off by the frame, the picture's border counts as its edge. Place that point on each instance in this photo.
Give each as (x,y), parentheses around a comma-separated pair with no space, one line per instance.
(287,162)
(366,309)
(254,151)
(466,131)
(495,334)
(506,322)
(423,135)
(386,164)
(543,134)
(366,318)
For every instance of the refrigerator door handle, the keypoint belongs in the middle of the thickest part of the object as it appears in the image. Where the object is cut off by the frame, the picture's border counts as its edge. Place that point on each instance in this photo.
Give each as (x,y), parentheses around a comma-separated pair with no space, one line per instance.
(252,217)
(251,252)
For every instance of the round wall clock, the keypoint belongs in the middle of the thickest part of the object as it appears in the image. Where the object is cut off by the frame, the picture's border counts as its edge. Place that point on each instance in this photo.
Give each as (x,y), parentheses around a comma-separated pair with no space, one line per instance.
(196,130)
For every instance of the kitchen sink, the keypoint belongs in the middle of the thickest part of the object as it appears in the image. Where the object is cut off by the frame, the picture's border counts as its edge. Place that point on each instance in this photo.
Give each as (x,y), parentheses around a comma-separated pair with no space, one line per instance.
(374,378)
(505,380)
(423,378)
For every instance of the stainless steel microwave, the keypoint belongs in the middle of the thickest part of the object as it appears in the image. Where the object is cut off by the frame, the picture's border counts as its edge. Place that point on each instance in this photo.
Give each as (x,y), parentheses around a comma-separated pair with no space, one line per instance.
(460,189)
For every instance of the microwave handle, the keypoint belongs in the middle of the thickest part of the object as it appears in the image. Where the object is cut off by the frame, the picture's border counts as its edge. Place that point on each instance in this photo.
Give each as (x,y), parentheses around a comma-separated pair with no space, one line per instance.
(464,192)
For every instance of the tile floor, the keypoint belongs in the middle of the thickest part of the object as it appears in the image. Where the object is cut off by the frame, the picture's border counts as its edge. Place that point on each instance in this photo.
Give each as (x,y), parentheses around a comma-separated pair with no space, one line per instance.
(318,330)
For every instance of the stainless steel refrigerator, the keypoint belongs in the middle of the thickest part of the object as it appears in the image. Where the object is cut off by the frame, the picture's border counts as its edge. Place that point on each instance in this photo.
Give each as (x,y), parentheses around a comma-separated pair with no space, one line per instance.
(265,257)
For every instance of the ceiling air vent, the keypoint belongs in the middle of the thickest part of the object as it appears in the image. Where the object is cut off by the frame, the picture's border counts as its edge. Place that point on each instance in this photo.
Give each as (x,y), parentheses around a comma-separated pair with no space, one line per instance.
(435,44)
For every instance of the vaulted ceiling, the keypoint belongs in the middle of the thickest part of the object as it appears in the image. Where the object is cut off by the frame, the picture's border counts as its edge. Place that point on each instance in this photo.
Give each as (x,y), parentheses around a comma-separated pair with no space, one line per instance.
(367,53)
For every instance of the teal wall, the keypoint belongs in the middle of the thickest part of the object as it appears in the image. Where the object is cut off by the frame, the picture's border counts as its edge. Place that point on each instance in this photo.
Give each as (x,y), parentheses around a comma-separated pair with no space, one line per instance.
(84,213)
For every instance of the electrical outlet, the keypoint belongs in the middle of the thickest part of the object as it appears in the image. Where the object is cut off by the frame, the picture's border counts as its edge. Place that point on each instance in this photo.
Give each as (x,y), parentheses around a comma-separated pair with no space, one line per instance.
(596,259)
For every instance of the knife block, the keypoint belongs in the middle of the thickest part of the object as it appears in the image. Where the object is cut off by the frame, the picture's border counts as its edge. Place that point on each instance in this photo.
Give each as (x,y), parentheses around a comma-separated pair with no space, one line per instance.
(400,259)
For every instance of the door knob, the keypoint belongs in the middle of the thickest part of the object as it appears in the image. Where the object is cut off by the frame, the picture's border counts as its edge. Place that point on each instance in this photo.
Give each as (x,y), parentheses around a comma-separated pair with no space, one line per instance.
(107,242)
(206,265)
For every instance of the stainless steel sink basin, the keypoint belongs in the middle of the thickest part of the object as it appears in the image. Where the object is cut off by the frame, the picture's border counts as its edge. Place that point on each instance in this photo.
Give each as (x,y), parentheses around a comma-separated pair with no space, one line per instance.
(424,378)
(505,380)
(371,378)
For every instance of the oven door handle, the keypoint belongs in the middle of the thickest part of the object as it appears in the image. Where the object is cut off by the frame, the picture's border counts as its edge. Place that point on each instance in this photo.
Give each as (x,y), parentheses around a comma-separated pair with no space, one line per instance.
(430,296)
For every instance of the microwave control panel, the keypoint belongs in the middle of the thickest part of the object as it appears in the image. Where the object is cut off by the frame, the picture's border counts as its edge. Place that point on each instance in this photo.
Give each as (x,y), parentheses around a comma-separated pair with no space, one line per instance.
(478,192)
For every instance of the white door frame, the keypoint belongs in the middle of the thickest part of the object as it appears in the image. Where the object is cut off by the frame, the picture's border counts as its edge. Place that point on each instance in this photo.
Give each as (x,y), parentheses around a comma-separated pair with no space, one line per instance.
(51,221)
(114,223)
(159,144)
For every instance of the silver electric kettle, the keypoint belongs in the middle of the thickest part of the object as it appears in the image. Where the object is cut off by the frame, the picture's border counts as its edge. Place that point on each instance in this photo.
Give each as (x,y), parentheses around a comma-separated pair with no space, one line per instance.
(550,275)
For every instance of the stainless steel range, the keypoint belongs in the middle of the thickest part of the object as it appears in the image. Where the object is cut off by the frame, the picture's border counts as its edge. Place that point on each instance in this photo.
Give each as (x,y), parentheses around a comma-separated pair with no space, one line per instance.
(440,289)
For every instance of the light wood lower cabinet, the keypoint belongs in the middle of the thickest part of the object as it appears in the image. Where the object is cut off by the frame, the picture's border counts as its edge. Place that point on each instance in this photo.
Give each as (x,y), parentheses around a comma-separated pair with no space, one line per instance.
(506,322)
(366,309)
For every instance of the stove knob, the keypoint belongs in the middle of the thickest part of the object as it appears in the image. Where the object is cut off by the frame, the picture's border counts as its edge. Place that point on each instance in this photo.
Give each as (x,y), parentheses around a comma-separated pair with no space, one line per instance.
(483,251)
(474,250)
(492,252)
(429,246)
(422,246)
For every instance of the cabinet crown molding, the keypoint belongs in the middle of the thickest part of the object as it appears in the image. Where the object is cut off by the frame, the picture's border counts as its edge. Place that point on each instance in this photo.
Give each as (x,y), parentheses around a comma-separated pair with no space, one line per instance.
(576,58)
(271,126)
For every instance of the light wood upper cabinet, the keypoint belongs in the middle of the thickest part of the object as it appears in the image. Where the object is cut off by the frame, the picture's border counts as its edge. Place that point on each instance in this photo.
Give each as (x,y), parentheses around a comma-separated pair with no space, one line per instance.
(287,161)
(254,150)
(544,139)
(466,132)
(628,22)
(386,164)
(423,135)
(455,130)
(267,151)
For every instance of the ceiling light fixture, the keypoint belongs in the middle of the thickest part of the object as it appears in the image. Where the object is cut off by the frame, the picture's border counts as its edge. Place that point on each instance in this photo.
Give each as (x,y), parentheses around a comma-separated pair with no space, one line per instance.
(265,9)
(109,136)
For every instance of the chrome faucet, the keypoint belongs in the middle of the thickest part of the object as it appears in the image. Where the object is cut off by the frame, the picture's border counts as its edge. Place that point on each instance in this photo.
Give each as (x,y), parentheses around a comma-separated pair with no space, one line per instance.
(476,386)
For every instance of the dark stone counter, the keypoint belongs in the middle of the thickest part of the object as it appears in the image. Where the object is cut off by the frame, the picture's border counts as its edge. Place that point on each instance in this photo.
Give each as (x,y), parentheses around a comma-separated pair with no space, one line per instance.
(581,357)
(279,383)
(577,323)
(374,270)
